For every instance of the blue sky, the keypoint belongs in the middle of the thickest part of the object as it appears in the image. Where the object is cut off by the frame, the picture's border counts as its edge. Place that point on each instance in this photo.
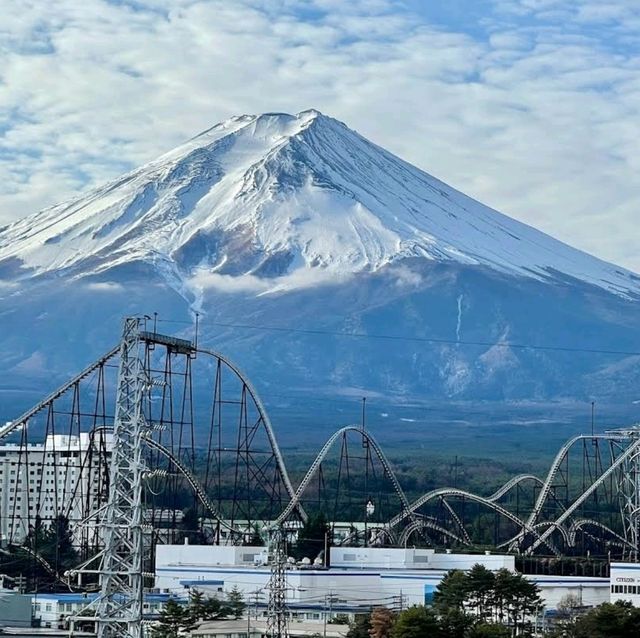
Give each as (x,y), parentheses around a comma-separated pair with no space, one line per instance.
(531,106)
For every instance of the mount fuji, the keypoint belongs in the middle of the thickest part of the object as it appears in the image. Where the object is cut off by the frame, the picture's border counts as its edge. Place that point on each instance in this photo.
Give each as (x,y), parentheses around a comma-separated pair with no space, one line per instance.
(323,265)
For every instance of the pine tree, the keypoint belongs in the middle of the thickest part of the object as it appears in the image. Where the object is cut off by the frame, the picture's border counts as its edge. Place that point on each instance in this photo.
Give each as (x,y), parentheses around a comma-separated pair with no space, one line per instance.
(481,587)
(235,602)
(215,609)
(197,604)
(174,618)
(451,593)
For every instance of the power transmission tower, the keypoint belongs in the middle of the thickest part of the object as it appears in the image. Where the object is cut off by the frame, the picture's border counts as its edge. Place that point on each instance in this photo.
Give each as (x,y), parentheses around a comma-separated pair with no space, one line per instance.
(629,493)
(277,610)
(117,610)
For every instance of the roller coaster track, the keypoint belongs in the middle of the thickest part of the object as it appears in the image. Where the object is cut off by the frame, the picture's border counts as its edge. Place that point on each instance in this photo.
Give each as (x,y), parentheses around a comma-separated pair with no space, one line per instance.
(456,518)
(295,501)
(513,542)
(628,452)
(422,523)
(529,528)
(496,496)
(580,523)
(23,418)
(266,422)
(193,482)
(428,524)
(555,466)
(509,485)
(446,492)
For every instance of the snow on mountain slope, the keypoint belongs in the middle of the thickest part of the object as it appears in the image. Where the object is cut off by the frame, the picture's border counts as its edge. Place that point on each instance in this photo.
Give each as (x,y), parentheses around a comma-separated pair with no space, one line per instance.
(277,201)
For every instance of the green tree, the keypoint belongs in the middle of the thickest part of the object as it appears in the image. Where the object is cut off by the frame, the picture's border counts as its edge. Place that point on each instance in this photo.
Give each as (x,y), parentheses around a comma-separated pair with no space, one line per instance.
(197,603)
(215,609)
(515,599)
(417,622)
(191,527)
(480,590)
(174,618)
(312,537)
(488,630)
(53,543)
(451,593)
(360,627)
(235,602)
(610,620)
(455,623)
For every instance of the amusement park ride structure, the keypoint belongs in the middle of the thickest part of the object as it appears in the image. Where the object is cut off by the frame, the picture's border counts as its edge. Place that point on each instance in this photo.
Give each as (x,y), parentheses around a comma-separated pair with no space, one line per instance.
(190,444)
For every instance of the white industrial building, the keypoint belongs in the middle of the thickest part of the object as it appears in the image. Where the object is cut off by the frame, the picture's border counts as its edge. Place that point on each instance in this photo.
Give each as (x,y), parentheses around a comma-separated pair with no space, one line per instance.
(58,476)
(625,582)
(358,578)
(52,611)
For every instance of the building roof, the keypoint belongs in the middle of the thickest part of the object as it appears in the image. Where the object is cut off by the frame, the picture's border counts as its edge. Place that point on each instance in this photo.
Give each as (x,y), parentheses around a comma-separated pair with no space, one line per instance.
(241,625)
(65,597)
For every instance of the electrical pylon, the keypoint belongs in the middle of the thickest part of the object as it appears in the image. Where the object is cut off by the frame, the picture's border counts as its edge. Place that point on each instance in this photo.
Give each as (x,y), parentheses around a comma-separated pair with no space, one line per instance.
(629,494)
(277,622)
(117,610)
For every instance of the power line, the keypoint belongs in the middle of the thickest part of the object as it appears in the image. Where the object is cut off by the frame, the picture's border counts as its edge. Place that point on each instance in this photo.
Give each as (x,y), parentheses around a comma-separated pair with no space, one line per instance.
(388,337)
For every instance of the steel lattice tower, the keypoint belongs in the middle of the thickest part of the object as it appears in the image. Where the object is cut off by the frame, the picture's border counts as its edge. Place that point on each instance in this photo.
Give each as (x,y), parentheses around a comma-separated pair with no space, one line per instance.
(277,625)
(117,610)
(629,493)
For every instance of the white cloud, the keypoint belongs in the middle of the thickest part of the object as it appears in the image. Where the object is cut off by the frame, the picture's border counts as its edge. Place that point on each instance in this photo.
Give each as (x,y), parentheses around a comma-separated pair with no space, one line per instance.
(105,286)
(300,278)
(538,118)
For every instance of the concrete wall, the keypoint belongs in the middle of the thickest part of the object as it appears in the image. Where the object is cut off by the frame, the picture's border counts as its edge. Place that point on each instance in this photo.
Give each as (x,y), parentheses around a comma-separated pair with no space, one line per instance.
(493,562)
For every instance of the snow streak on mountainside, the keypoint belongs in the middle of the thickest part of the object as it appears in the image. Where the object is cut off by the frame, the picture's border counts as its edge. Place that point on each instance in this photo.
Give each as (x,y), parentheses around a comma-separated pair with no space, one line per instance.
(278,202)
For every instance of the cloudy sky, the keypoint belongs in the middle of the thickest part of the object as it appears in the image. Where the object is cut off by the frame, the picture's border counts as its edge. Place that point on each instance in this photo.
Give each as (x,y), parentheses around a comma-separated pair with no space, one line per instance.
(531,106)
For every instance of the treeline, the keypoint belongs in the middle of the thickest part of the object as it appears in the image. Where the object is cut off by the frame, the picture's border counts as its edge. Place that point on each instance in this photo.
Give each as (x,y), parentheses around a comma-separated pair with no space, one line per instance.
(473,604)
(609,620)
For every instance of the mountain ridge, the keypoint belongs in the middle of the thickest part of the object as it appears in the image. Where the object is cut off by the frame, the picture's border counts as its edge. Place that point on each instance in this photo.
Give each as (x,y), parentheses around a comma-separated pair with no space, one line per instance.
(298,221)
(293,194)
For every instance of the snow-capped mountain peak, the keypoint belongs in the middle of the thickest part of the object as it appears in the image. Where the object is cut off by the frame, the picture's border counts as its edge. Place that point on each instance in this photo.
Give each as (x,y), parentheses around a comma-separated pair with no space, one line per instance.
(278,201)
